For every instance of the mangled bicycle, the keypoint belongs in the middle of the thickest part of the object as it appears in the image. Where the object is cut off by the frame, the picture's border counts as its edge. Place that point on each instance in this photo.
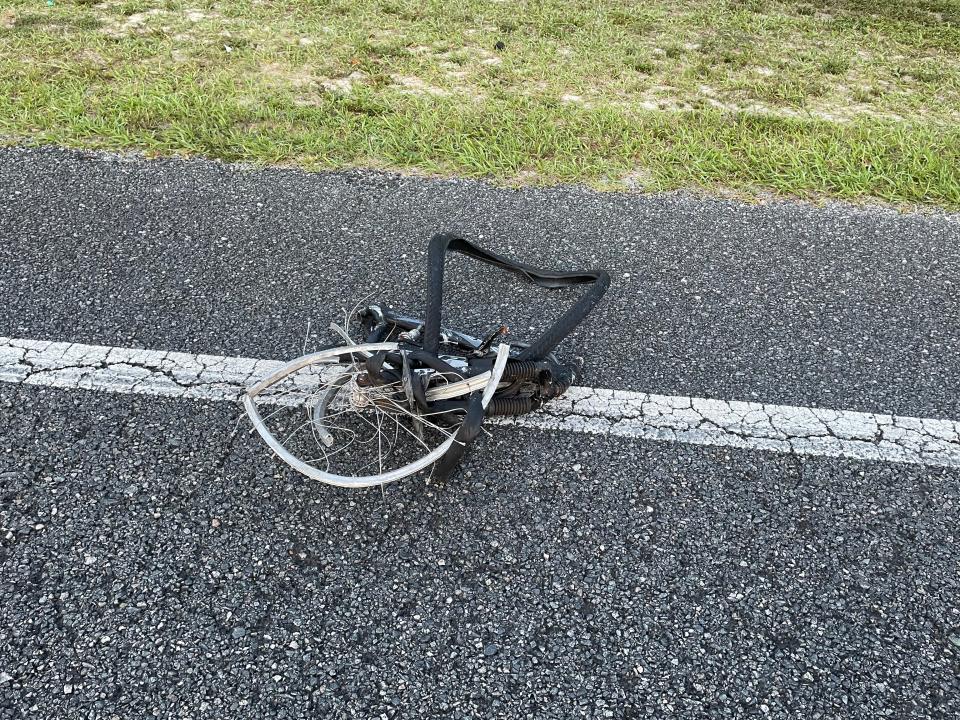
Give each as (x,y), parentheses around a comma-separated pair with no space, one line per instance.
(409,394)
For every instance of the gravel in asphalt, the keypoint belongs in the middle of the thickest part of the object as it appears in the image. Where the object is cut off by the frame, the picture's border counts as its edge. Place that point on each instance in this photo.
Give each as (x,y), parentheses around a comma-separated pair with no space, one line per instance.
(781,303)
(154,567)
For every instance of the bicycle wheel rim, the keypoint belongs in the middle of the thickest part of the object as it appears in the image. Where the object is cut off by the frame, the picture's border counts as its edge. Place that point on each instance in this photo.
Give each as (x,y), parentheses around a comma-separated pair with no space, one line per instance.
(310,470)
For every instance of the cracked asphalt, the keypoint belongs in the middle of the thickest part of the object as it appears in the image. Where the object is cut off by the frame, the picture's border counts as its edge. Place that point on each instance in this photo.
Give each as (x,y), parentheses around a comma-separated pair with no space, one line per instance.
(783,303)
(703,421)
(129,370)
(155,564)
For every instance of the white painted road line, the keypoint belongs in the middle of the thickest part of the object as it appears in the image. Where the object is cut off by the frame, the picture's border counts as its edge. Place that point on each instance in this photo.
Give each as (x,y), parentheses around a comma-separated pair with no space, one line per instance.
(700,421)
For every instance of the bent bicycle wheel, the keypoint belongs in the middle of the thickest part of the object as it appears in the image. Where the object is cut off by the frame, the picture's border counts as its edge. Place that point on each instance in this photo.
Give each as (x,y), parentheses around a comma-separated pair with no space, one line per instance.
(327,417)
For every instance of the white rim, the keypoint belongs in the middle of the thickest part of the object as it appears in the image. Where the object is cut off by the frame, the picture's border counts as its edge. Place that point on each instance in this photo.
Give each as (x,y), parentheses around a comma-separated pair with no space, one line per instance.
(492,380)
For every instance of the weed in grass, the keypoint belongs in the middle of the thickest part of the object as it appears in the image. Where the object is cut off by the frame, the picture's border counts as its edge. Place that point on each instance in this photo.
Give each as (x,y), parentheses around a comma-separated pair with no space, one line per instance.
(643,65)
(929,72)
(753,6)
(835,65)
(133,7)
(637,19)
(673,51)
(413,11)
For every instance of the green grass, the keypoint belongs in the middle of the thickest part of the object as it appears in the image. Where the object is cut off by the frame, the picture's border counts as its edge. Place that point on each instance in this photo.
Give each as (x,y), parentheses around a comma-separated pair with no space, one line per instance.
(838,98)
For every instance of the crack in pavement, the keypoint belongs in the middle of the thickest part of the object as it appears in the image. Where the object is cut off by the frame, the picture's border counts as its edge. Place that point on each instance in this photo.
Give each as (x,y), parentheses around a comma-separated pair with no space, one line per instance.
(700,421)
(128,370)
(750,425)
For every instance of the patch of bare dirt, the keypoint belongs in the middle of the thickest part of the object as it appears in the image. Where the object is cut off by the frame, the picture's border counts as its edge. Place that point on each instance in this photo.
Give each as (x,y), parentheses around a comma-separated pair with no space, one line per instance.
(344,85)
(416,86)
(140,22)
(279,74)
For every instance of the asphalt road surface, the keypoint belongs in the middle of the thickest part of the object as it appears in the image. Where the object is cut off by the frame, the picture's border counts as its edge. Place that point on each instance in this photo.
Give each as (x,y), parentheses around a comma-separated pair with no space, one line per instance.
(155,564)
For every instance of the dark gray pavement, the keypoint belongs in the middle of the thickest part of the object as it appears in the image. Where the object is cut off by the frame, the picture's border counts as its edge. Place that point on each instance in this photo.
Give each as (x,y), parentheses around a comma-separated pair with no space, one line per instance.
(790,304)
(186,575)
(153,565)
